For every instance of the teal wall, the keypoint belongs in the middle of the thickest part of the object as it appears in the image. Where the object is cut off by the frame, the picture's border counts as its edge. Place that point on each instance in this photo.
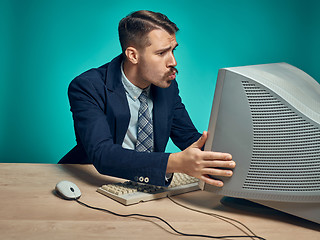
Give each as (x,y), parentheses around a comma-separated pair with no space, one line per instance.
(45,44)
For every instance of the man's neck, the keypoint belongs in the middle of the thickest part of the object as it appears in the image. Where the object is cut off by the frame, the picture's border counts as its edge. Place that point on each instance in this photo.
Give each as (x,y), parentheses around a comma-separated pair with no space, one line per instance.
(131,72)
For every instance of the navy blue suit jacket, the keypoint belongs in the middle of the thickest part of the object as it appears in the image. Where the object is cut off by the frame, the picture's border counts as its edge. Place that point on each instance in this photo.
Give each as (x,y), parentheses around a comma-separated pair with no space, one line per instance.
(101,117)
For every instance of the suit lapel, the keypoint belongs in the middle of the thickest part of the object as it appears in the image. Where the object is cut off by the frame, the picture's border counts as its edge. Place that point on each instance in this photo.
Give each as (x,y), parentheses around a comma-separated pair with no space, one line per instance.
(117,97)
(160,118)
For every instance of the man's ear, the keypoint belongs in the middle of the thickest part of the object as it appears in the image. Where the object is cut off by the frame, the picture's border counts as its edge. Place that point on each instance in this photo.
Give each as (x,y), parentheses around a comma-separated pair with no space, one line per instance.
(132,55)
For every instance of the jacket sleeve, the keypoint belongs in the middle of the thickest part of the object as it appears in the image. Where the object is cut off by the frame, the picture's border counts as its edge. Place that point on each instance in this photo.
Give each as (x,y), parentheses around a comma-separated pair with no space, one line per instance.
(87,100)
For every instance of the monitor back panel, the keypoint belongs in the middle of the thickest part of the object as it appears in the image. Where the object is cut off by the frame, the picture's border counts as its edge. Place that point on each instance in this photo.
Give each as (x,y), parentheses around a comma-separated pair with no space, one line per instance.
(272,136)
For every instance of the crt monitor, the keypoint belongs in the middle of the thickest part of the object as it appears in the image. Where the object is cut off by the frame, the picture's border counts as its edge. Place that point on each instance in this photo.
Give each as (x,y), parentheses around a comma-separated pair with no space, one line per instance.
(268,117)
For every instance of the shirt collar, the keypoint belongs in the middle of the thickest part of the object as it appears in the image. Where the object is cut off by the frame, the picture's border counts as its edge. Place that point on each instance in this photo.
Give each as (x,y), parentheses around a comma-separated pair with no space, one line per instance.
(132,90)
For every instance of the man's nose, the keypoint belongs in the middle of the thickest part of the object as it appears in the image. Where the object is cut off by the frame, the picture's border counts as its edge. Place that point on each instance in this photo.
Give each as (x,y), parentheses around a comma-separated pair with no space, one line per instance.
(172,61)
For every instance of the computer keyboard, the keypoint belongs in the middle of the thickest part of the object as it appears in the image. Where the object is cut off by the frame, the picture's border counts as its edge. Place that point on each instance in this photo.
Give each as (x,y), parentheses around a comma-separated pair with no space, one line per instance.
(130,192)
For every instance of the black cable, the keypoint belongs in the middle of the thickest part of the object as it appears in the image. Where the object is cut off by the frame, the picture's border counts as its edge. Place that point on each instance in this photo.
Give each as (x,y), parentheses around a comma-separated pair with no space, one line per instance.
(162,220)
(223,218)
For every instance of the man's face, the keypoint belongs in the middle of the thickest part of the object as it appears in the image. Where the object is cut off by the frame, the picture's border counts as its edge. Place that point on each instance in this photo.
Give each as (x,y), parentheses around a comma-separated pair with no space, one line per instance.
(156,64)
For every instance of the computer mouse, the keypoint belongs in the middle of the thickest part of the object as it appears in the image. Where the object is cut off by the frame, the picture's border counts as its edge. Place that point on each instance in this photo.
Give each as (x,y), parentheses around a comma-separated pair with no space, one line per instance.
(68,190)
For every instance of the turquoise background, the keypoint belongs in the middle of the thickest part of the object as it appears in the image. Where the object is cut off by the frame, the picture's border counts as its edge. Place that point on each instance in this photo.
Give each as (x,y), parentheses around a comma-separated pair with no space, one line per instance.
(45,44)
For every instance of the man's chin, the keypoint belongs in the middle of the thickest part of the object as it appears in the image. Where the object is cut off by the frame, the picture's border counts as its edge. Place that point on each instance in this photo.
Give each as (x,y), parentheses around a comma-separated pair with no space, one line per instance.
(163,84)
(168,83)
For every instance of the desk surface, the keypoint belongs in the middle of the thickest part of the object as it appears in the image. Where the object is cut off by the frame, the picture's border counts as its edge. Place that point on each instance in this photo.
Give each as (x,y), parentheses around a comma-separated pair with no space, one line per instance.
(31,210)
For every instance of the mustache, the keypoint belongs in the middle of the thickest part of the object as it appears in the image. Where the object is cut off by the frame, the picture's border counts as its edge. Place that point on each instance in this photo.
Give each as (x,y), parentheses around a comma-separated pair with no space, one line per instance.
(173,70)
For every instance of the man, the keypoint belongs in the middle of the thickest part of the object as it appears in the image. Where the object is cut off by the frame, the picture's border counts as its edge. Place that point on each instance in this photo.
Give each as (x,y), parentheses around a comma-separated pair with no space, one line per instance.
(108,109)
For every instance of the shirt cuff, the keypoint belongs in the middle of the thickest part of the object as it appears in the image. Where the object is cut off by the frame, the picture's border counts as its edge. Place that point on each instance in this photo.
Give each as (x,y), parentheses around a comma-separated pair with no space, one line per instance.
(168,177)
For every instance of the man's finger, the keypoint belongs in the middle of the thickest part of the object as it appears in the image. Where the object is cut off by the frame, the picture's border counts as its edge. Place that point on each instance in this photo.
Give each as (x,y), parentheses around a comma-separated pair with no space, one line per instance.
(208,155)
(211,181)
(219,164)
(217,172)
(201,141)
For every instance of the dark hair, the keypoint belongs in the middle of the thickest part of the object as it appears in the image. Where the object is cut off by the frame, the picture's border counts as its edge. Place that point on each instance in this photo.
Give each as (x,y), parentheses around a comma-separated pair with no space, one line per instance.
(134,28)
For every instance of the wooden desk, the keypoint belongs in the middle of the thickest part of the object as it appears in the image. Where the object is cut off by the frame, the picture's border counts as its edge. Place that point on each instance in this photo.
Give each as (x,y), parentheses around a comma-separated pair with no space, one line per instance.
(29,209)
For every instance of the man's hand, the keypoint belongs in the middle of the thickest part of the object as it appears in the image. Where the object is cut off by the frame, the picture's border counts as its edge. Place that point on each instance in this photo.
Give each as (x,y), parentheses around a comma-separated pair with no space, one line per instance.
(200,164)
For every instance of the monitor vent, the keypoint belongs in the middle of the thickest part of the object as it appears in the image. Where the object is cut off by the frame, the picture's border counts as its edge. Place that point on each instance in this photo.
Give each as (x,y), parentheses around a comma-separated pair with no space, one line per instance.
(286,147)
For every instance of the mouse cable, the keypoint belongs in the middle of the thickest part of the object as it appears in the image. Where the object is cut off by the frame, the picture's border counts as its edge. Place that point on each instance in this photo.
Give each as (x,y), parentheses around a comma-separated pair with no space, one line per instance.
(162,220)
(221,217)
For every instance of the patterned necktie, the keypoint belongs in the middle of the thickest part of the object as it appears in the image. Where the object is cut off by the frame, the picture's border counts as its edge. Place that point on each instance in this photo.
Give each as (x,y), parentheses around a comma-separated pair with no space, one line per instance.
(145,129)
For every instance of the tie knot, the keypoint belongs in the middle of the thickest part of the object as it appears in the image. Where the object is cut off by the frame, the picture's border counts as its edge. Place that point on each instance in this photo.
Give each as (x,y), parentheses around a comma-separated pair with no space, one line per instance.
(143,96)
